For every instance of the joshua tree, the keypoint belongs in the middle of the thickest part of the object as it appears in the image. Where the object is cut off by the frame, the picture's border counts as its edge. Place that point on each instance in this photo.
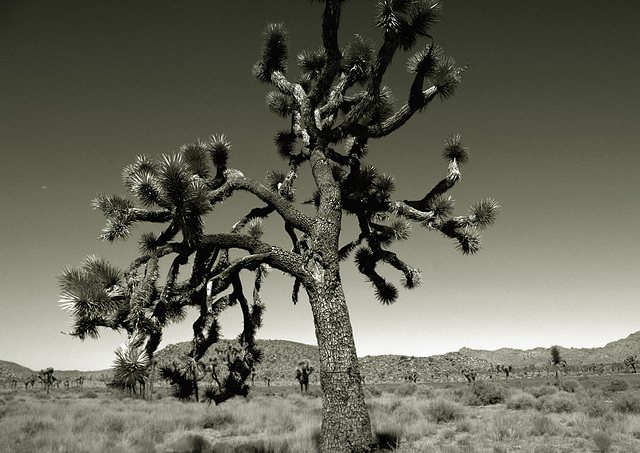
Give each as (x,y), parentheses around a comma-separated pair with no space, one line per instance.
(181,380)
(31,381)
(470,375)
(303,371)
(412,376)
(337,100)
(558,364)
(631,362)
(47,378)
(506,369)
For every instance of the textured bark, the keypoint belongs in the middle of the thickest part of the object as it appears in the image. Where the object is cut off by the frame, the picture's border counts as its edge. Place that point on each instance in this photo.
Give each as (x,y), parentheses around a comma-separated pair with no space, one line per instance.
(346,426)
(345,421)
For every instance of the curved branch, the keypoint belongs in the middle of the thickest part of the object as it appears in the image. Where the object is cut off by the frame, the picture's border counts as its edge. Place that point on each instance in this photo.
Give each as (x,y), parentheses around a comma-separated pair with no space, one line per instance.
(235,180)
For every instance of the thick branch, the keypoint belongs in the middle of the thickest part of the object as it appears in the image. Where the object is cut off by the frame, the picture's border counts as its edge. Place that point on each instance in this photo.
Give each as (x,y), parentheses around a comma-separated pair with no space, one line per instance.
(235,180)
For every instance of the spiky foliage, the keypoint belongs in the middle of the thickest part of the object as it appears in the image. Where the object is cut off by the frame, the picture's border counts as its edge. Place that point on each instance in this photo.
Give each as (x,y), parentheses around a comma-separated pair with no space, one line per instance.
(181,382)
(274,53)
(131,365)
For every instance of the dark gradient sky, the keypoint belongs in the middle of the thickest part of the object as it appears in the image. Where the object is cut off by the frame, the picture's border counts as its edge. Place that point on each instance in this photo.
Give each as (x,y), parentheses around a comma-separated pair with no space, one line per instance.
(549,108)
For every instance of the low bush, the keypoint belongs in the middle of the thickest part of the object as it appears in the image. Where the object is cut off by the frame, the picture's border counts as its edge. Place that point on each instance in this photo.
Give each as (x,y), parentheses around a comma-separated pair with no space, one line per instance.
(522,400)
(617,385)
(191,443)
(388,439)
(543,390)
(570,386)
(217,420)
(602,441)
(407,389)
(443,411)
(559,402)
(596,407)
(487,393)
(541,425)
(627,402)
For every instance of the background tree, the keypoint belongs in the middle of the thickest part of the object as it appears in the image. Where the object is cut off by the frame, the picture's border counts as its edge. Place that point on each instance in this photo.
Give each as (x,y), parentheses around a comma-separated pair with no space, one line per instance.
(558,364)
(337,100)
(47,378)
(631,362)
(303,371)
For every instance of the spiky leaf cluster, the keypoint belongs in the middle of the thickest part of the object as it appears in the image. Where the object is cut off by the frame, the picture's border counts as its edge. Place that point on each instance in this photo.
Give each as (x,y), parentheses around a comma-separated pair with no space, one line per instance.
(455,150)
(281,104)
(312,63)
(357,59)
(407,20)
(131,365)
(94,294)
(182,386)
(274,53)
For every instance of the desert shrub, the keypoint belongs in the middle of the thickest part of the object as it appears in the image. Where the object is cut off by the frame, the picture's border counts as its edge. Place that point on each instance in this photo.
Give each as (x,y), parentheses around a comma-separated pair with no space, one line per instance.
(448,434)
(570,385)
(602,441)
(487,393)
(522,400)
(443,411)
(191,443)
(464,426)
(217,420)
(543,390)
(559,402)
(407,389)
(617,385)
(425,392)
(595,407)
(388,439)
(257,446)
(627,402)
(34,427)
(114,424)
(541,425)
(505,427)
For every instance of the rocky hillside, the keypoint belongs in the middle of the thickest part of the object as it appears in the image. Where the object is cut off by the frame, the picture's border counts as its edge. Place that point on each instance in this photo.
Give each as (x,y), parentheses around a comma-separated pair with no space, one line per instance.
(280,358)
(613,352)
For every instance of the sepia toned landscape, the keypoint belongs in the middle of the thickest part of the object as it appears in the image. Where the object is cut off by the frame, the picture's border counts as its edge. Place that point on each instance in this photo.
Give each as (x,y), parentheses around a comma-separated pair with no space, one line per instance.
(439,195)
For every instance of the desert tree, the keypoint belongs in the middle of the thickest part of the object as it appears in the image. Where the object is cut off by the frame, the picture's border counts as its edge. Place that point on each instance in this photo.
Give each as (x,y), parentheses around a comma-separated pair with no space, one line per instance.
(334,108)
(631,362)
(470,375)
(558,363)
(303,372)
(47,378)
(506,369)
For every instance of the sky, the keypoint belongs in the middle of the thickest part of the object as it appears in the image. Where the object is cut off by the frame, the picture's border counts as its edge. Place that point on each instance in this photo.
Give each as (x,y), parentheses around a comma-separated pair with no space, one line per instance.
(548,107)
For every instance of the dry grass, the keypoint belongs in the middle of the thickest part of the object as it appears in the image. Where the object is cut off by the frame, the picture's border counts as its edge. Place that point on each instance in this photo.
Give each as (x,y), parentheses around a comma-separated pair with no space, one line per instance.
(418,419)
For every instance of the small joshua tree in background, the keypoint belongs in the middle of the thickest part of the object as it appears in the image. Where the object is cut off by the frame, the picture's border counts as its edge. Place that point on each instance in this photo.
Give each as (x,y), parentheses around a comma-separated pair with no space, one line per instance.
(47,378)
(558,363)
(631,362)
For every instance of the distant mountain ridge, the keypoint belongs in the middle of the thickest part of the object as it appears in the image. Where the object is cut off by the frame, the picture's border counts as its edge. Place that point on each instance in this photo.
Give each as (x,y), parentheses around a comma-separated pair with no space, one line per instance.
(613,352)
(280,358)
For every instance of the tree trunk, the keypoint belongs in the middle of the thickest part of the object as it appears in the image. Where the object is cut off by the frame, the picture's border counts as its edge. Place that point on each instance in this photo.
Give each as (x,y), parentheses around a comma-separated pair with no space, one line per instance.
(345,421)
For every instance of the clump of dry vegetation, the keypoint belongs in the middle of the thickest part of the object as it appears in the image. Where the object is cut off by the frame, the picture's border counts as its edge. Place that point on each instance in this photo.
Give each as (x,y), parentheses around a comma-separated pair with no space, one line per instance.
(527,416)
